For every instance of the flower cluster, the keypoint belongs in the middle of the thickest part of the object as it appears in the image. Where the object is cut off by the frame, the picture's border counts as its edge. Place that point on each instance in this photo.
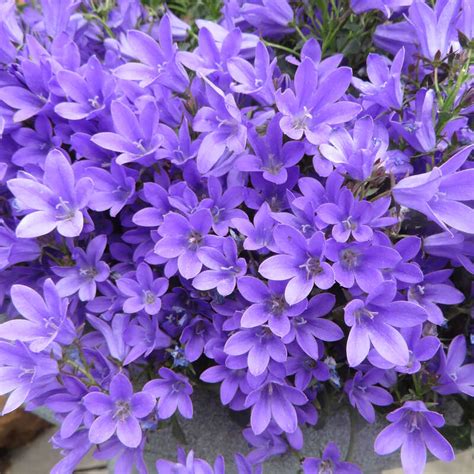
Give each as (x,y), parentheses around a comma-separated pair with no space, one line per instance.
(235,202)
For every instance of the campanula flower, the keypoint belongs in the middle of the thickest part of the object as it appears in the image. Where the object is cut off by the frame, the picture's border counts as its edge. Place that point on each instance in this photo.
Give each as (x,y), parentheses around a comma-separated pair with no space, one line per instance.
(119,412)
(413,428)
(302,262)
(89,270)
(57,203)
(173,392)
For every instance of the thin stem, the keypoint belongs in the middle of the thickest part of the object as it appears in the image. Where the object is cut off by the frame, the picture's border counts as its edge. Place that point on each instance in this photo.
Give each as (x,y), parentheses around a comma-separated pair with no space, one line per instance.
(279,46)
(300,33)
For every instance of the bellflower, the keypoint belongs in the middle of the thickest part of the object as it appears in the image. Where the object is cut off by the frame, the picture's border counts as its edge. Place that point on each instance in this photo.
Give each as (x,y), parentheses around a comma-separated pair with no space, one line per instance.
(189,463)
(269,306)
(255,80)
(329,463)
(357,154)
(302,263)
(421,349)
(259,235)
(157,60)
(271,157)
(119,412)
(57,203)
(221,122)
(270,18)
(173,392)
(88,271)
(275,400)
(433,290)
(113,189)
(441,193)
(417,127)
(22,372)
(225,268)
(144,292)
(260,345)
(88,96)
(45,318)
(182,237)
(350,217)
(312,107)
(135,139)
(363,393)
(373,322)
(454,376)
(413,428)
(384,86)
(309,326)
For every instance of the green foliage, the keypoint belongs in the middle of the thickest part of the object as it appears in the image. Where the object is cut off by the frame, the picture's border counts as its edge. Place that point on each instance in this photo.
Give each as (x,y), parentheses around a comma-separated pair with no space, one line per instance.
(189,10)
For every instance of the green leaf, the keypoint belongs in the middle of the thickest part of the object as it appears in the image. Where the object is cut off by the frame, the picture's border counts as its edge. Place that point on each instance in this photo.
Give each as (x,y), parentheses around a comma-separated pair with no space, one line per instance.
(177,431)
(458,436)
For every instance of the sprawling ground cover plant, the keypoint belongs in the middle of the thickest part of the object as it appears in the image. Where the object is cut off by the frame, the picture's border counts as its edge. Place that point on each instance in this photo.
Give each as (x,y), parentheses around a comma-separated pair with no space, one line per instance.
(271,196)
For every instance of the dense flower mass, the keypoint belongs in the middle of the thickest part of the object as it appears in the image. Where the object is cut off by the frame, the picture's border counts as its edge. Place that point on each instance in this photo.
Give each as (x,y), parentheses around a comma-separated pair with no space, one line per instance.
(272,196)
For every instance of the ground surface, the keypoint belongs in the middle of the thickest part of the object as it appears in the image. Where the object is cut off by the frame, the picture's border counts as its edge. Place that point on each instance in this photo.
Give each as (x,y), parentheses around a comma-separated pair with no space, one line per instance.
(38,458)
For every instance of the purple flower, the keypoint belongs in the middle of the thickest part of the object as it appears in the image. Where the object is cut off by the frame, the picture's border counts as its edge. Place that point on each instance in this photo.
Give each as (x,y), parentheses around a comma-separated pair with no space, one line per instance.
(144,336)
(45,318)
(413,428)
(134,138)
(70,404)
(260,345)
(259,235)
(385,6)
(221,122)
(15,250)
(23,372)
(329,463)
(182,237)
(144,292)
(363,394)
(113,189)
(357,153)
(269,306)
(256,80)
(188,463)
(385,87)
(271,157)
(350,217)
(305,368)
(271,18)
(360,263)
(433,290)
(195,336)
(454,376)
(421,349)
(118,412)
(87,272)
(440,194)
(373,321)
(417,127)
(233,382)
(88,96)
(302,262)
(223,204)
(309,326)
(225,268)
(435,28)
(211,58)
(311,108)
(274,400)
(173,392)
(57,203)
(157,60)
